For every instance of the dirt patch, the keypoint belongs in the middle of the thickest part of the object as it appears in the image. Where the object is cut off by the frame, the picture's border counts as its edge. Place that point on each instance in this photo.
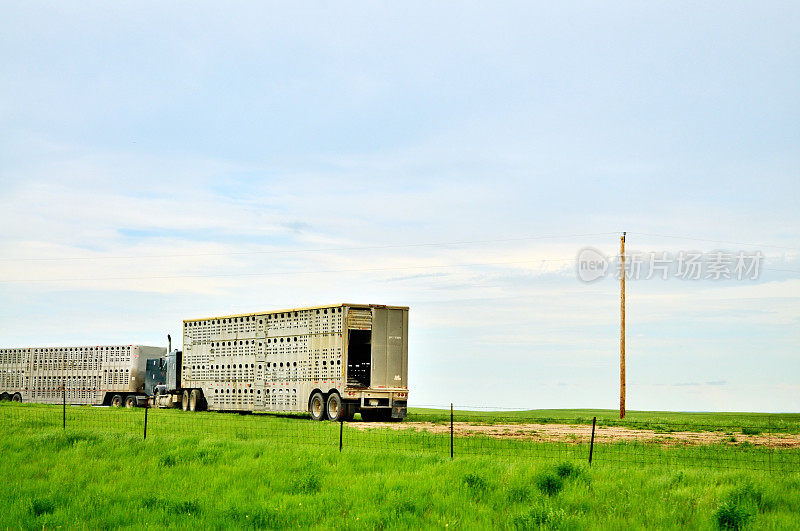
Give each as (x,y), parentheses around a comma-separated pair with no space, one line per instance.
(576,433)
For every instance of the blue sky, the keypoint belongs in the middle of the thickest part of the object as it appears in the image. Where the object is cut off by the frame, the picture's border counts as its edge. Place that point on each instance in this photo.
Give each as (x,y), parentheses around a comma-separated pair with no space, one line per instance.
(167,162)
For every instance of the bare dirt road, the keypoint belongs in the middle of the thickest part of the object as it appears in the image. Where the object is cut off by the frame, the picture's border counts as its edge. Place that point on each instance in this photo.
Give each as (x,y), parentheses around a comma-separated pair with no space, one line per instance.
(576,433)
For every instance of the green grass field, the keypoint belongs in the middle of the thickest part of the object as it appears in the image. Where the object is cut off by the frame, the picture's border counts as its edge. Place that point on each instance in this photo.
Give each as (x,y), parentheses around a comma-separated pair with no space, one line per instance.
(702,421)
(225,470)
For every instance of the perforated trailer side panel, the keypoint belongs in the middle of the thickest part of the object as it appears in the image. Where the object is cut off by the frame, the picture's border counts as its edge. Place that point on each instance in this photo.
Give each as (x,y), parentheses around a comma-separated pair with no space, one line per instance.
(88,373)
(268,361)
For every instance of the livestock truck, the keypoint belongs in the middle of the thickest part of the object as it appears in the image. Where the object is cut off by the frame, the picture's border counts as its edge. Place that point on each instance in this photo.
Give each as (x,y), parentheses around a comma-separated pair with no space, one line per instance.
(112,375)
(331,361)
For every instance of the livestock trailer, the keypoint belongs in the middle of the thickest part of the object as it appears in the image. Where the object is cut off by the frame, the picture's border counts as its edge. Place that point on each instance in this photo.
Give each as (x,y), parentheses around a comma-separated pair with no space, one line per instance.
(97,375)
(329,360)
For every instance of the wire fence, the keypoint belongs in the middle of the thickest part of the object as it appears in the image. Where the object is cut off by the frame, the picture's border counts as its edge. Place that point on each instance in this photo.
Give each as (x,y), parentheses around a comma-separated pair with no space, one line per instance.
(764,444)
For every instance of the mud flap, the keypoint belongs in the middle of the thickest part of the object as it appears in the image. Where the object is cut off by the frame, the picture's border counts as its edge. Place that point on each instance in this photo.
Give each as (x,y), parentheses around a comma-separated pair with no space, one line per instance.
(399,412)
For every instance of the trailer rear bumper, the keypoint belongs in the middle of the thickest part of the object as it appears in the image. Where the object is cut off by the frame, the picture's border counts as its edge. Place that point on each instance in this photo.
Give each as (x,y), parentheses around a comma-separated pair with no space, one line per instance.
(396,399)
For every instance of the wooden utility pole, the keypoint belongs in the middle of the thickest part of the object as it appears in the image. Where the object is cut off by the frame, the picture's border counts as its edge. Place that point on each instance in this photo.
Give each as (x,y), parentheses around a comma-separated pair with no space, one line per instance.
(622,327)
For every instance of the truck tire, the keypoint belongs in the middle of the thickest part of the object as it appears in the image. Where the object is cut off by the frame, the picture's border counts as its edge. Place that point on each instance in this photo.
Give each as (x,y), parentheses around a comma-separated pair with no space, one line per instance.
(196,400)
(16,397)
(130,401)
(185,400)
(335,408)
(4,397)
(116,401)
(317,406)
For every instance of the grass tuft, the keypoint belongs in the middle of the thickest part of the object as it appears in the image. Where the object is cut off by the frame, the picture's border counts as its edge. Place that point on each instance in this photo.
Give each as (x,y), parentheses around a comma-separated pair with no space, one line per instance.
(184,507)
(38,507)
(539,516)
(679,478)
(730,515)
(567,470)
(60,440)
(750,494)
(206,457)
(740,506)
(519,494)
(549,483)
(749,430)
(307,483)
(405,506)
(476,482)
(172,507)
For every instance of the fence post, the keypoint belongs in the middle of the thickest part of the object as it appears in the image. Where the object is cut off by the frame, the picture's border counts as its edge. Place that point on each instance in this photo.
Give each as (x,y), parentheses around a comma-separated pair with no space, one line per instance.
(64,407)
(146,407)
(591,443)
(771,448)
(341,428)
(451,430)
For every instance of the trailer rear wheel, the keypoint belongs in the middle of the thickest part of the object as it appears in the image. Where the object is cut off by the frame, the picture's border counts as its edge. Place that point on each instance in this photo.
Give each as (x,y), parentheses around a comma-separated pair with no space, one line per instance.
(317,406)
(130,401)
(116,401)
(16,397)
(185,400)
(4,397)
(196,400)
(335,408)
